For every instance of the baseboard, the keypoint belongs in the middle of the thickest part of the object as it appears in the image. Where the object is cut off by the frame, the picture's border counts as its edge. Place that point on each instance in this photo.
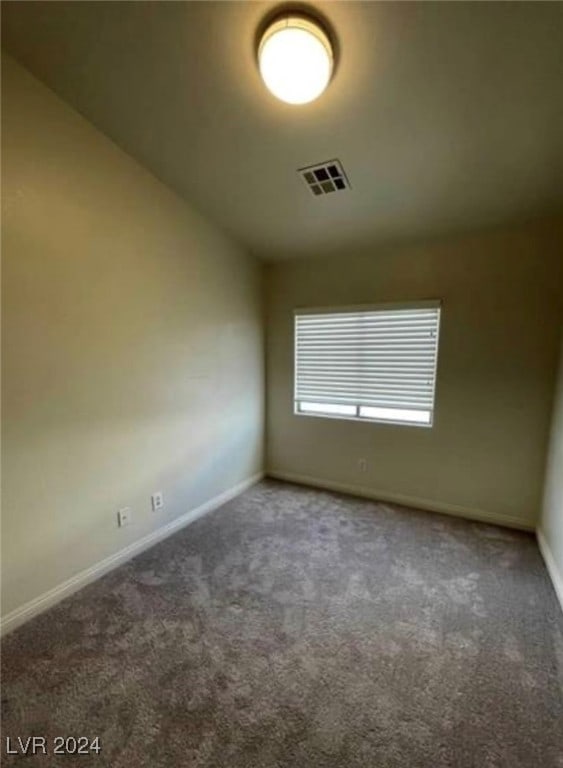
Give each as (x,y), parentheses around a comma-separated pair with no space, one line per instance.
(39,604)
(554,572)
(407,501)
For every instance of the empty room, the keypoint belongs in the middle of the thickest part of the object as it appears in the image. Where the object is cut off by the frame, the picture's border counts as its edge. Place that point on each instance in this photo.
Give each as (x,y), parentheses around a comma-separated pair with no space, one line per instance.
(282,384)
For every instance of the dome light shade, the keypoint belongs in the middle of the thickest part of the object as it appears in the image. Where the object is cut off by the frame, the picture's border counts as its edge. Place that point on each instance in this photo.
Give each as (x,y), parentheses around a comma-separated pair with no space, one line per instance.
(295,59)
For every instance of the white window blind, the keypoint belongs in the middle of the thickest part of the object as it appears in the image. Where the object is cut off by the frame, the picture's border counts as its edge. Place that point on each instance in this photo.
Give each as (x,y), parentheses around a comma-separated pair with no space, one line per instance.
(368,363)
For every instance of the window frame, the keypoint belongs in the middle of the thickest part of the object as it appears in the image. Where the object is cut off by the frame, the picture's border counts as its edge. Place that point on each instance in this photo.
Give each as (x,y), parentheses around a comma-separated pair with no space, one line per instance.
(379,307)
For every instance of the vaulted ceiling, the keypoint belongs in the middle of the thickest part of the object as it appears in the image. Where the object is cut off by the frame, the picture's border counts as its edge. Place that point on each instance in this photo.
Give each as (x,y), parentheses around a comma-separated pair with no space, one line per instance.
(446,116)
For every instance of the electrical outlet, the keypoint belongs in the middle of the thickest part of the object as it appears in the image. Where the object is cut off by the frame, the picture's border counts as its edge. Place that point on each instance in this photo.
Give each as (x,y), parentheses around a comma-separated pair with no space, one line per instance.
(363,465)
(124,517)
(157,501)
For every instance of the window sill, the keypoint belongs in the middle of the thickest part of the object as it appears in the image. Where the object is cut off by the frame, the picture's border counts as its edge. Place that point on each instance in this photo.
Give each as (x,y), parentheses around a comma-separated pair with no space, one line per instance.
(364,420)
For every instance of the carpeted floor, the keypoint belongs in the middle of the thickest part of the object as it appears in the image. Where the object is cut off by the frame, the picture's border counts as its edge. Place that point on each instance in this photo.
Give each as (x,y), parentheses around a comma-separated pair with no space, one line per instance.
(303,629)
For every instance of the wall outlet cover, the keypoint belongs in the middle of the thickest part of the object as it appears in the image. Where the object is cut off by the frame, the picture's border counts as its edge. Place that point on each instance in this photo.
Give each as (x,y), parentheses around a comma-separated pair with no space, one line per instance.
(157,501)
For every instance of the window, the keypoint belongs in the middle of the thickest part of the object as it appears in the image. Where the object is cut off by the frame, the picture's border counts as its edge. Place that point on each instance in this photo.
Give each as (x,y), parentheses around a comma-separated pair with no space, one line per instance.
(377,364)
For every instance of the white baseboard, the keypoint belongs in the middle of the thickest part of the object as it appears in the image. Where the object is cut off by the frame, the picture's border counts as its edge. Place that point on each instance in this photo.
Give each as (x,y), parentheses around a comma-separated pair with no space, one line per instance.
(551,565)
(39,604)
(407,501)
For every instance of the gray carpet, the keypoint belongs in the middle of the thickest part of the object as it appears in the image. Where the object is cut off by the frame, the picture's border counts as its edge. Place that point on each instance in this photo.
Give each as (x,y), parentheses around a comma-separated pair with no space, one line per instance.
(303,629)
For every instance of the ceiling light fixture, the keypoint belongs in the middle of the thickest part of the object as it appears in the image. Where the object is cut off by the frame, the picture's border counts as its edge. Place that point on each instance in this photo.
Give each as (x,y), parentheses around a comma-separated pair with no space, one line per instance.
(295,58)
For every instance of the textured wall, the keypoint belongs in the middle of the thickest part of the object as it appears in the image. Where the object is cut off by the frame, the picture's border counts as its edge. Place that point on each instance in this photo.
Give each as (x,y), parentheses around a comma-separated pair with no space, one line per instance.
(133,349)
(501,295)
(551,524)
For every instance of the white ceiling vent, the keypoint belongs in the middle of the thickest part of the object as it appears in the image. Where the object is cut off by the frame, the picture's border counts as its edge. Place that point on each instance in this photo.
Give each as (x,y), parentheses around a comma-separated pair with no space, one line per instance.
(324,178)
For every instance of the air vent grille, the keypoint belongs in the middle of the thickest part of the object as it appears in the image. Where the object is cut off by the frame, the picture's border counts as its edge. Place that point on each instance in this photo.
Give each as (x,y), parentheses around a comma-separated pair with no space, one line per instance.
(324,178)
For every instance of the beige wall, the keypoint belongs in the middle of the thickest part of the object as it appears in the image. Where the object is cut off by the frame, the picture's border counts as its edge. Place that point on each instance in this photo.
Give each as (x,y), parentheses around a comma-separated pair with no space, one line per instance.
(133,351)
(501,294)
(551,525)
